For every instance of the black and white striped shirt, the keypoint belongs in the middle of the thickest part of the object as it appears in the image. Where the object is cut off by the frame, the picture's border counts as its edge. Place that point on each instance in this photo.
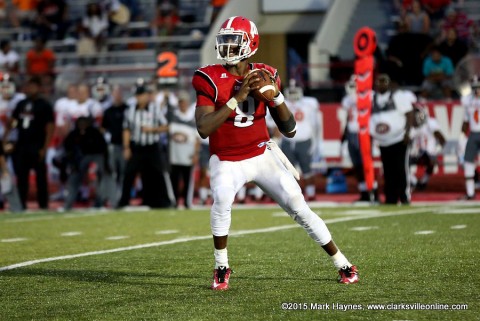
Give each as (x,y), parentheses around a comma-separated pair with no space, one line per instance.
(136,118)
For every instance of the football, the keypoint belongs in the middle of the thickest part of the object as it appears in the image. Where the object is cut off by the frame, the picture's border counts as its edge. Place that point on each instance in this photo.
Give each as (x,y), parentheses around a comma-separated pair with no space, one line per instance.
(266,92)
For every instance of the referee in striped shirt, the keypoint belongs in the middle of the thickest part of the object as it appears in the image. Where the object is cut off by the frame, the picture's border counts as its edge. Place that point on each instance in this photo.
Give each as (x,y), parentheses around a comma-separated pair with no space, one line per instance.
(143,124)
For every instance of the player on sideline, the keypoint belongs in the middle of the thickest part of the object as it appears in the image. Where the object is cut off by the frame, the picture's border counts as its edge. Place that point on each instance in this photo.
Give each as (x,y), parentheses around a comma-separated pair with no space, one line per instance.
(241,149)
(471,122)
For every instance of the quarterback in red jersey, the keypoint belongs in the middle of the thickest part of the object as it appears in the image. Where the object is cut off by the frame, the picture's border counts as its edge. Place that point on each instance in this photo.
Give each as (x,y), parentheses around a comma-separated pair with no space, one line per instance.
(240,146)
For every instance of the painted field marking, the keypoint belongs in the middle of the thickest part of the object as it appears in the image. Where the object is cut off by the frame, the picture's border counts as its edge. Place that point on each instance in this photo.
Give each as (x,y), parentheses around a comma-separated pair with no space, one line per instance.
(73,233)
(165,232)
(364,228)
(424,232)
(459,211)
(17,239)
(117,237)
(458,227)
(360,212)
(204,237)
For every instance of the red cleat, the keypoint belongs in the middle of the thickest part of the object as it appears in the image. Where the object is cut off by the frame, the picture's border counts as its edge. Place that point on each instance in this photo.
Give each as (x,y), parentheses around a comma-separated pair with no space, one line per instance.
(348,275)
(221,276)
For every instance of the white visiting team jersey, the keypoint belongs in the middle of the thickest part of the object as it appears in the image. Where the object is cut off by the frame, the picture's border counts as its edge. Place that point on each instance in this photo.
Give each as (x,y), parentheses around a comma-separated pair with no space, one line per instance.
(471,104)
(306,113)
(388,125)
(62,108)
(7,106)
(349,104)
(423,138)
(90,107)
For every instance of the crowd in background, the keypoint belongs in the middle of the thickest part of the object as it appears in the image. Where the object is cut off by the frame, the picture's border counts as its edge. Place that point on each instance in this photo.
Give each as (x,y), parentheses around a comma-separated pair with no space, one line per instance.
(83,148)
(95,140)
(431,38)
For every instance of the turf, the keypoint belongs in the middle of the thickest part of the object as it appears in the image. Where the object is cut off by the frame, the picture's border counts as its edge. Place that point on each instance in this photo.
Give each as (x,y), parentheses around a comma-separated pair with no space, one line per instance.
(274,262)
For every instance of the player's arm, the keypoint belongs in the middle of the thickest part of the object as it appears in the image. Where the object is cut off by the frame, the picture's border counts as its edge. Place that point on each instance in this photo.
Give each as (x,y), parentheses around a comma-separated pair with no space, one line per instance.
(209,120)
(280,113)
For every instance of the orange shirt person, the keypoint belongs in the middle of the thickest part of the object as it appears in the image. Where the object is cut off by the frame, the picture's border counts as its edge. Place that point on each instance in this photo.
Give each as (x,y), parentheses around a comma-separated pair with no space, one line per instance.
(40,60)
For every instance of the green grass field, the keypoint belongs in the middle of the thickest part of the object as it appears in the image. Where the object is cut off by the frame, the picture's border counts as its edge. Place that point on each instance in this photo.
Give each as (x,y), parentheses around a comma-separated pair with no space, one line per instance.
(157,265)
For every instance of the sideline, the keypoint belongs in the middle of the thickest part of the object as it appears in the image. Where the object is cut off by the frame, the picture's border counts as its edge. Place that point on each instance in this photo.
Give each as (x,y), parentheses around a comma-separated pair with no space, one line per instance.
(206,237)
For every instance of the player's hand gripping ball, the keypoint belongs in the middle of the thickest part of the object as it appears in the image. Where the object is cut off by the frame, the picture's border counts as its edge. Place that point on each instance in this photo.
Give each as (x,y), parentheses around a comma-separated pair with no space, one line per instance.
(266,90)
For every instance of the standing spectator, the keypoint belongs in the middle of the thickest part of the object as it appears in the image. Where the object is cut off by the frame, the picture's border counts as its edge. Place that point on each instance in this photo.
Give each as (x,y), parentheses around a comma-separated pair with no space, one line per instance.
(305,145)
(436,9)
(417,20)
(452,47)
(406,52)
(94,25)
(40,61)
(83,146)
(463,25)
(112,127)
(184,148)
(390,123)
(9,58)
(166,19)
(426,136)
(141,136)
(33,119)
(350,134)
(23,12)
(471,127)
(51,21)
(438,71)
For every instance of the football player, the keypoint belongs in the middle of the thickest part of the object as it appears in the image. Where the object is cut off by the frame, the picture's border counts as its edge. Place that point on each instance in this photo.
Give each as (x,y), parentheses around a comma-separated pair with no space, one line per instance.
(471,121)
(102,93)
(304,147)
(240,146)
(425,135)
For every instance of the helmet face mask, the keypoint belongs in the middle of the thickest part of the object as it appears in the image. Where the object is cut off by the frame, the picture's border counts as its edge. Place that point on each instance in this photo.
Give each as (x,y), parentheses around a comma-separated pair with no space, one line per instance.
(351,86)
(236,40)
(7,87)
(293,92)
(101,89)
(420,116)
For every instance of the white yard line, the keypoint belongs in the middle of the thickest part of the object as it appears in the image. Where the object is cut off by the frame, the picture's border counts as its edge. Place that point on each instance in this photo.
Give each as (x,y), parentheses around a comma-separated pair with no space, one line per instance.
(204,237)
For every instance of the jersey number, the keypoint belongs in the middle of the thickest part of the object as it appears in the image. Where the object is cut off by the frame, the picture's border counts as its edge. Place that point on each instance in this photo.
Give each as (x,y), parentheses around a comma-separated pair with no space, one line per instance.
(245,111)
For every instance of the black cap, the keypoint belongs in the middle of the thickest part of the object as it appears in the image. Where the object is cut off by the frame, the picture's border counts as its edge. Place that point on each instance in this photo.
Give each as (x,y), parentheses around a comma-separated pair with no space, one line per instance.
(142,89)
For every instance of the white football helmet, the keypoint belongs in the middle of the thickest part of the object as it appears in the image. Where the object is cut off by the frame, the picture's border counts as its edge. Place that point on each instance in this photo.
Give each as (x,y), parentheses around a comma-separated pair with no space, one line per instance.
(351,86)
(236,40)
(293,92)
(100,89)
(475,84)
(420,116)
(7,86)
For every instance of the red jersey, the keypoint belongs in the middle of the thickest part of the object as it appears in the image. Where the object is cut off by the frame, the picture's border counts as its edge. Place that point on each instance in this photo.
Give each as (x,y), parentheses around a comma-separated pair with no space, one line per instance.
(244,133)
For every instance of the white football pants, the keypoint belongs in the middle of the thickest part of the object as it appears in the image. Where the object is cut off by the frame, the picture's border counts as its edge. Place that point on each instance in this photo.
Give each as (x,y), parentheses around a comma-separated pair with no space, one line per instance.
(267,171)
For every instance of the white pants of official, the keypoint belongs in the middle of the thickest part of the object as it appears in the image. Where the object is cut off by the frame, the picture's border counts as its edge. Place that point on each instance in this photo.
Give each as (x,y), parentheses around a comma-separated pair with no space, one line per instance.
(267,171)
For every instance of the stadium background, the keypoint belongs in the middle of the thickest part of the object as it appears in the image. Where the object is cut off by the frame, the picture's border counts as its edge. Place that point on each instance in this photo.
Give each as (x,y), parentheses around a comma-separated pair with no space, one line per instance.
(320,32)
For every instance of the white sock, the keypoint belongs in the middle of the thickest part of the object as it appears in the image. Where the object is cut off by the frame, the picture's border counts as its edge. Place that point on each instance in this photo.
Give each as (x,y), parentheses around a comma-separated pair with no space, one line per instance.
(339,260)
(424,179)
(470,185)
(221,258)
(310,190)
(203,193)
(242,193)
